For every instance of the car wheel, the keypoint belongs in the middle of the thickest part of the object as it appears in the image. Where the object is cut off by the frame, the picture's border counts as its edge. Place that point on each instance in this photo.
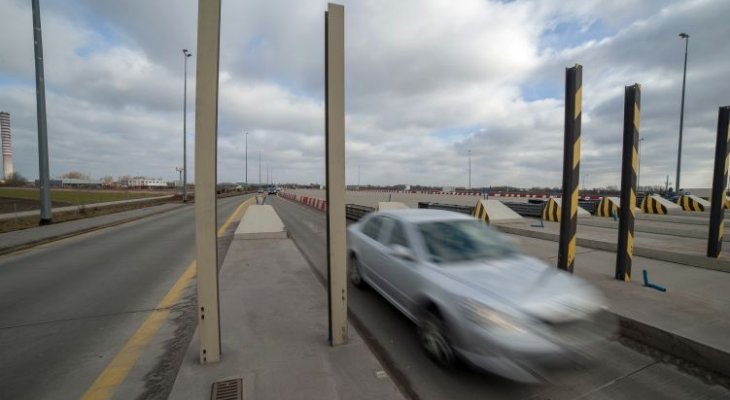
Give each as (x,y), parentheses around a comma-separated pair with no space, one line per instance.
(434,339)
(355,276)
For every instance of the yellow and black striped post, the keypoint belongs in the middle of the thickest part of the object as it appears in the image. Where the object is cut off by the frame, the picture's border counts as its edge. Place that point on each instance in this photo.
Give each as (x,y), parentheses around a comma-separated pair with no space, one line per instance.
(719,180)
(571,167)
(630,160)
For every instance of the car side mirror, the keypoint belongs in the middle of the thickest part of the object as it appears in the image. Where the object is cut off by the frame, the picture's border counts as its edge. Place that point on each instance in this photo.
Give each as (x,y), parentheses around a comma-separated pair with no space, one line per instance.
(402,252)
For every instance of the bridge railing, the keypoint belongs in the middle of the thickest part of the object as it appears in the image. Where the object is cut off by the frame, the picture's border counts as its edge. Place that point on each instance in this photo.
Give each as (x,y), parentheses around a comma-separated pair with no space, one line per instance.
(356,211)
(447,207)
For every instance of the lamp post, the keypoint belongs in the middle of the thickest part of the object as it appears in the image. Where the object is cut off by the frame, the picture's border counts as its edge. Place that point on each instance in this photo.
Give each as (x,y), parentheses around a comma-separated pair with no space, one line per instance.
(246,136)
(681,113)
(584,181)
(186,55)
(469,169)
(638,174)
(44,179)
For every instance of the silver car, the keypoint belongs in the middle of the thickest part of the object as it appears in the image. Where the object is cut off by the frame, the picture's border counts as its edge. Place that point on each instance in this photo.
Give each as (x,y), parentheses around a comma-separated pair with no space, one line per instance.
(472,295)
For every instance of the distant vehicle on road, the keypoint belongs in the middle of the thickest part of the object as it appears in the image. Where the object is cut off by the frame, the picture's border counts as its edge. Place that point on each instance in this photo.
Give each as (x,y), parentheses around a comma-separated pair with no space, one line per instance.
(674,196)
(472,295)
(272,190)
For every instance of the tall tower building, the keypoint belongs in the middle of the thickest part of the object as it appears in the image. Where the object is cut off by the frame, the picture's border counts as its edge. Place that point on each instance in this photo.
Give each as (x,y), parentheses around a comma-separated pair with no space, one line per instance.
(6,144)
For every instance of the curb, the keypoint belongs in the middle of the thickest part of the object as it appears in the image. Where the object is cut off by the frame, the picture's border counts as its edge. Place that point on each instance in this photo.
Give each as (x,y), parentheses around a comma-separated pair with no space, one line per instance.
(31,244)
(662,255)
(676,345)
(661,231)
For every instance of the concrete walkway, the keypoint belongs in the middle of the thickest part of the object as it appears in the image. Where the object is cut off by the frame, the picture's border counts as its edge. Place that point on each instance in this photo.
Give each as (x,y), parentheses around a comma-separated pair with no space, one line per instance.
(274,334)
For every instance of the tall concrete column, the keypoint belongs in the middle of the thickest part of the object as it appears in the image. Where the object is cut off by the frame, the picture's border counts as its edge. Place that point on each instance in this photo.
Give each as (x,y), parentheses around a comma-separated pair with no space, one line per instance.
(630,160)
(206,134)
(719,184)
(335,154)
(571,167)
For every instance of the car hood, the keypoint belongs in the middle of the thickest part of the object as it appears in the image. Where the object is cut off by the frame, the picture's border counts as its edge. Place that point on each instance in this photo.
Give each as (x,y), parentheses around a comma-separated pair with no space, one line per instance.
(528,285)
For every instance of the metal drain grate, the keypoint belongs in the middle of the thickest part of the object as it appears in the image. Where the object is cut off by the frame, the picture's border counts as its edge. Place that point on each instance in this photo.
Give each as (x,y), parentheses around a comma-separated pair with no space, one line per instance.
(230,389)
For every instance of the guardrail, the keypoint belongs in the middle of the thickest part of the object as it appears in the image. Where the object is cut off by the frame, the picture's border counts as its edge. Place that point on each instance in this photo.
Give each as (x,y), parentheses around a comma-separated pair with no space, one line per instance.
(356,211)
(448,207)
(525,209)
(589,205)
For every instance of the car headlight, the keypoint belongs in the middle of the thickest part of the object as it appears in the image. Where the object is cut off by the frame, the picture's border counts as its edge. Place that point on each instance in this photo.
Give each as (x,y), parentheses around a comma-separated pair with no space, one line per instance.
(488,317)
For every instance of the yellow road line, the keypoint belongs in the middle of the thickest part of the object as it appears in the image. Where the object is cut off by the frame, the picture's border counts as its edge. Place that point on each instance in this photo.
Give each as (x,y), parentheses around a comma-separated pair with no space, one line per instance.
(118,369)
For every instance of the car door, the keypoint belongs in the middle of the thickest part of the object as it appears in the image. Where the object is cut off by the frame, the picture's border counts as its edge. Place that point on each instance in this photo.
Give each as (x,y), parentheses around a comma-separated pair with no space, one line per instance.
(371,249)
(401,266)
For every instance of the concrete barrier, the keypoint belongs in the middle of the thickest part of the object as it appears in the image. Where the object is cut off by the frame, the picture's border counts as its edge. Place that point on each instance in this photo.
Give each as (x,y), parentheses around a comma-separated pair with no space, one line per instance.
(551,212)
(690,202)
(310,201)
(494,212)
(608,207)
(260,222)
(656,204)
(391,205)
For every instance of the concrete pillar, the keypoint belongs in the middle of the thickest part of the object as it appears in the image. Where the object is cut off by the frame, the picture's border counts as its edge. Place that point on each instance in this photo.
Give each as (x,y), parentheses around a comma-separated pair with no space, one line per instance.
(719,184)
(206,132)
(629,167)
(571,167)
(335,154)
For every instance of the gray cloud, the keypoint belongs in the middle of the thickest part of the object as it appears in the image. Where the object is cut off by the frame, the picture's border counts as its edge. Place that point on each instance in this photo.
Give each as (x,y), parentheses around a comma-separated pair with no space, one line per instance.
(425,83)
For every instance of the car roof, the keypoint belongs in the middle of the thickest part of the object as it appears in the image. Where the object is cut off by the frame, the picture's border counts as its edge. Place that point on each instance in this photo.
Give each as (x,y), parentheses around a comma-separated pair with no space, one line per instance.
(419,215)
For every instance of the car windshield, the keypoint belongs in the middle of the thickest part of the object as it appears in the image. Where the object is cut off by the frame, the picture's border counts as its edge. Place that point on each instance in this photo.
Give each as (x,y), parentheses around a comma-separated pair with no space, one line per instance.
(462,240)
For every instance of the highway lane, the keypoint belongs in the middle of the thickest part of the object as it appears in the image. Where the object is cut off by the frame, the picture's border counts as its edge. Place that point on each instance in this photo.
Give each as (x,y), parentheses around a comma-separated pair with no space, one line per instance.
(621,371)
(66,308)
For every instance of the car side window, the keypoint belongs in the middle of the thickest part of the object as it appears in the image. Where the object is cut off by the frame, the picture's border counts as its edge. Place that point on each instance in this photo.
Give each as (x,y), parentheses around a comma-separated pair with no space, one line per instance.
(385,230)
(398,235)
(372,227)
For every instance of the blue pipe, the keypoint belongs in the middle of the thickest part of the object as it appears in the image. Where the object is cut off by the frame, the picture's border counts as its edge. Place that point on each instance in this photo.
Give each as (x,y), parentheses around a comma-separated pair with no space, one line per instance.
(652,285)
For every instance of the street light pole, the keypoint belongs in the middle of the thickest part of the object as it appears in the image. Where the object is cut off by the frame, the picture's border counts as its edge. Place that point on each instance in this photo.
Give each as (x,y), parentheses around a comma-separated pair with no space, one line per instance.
(681,113)
(44,179)
(638,174)
(584,181)
(246,136)
(469,169)
(259,169)
(186,55)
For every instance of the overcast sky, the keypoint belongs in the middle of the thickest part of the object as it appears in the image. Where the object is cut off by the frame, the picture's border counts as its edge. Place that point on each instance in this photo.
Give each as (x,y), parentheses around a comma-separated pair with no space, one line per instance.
(426,81)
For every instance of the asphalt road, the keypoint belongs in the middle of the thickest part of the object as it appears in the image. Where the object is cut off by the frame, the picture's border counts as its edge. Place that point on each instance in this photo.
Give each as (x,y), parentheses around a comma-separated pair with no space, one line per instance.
(68,307)
(622,370)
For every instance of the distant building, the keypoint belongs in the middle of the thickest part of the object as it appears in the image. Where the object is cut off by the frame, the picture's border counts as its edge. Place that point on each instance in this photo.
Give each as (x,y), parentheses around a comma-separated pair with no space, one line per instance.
(7,147)
(144,182)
